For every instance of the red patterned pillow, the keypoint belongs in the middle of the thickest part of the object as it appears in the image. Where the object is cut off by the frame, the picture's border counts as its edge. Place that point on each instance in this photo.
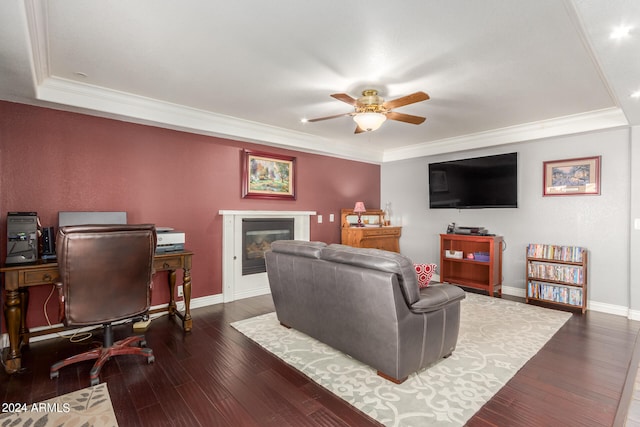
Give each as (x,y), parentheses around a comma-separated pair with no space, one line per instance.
(424,273)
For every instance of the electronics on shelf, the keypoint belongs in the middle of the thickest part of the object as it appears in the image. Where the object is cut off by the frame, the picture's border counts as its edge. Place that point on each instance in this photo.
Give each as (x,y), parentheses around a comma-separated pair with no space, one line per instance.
(22,237)
(169,240)
(477,231)
(48,243)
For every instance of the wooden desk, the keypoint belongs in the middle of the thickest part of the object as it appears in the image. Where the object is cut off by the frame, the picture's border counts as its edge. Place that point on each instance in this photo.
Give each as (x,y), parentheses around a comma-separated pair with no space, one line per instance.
(18,278)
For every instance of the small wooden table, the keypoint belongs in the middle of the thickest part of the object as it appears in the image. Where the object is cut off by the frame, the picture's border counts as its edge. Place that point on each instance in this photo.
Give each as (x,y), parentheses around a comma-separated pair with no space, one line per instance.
(19,277)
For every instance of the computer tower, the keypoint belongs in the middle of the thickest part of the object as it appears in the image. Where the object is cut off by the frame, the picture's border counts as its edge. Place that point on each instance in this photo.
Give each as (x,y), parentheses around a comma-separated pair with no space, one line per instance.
(22,237)
(48,243)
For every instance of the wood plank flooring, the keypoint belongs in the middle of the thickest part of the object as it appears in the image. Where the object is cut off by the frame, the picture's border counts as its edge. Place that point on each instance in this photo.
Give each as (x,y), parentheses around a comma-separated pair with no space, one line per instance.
(215,376)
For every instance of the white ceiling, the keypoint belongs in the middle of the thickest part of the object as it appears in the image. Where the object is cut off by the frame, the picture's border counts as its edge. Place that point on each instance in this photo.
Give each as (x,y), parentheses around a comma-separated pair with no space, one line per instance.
(497,71)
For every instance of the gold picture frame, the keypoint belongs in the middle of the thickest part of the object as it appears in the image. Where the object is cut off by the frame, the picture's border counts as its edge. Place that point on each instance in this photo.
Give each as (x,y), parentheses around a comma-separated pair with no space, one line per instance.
(268,176)
(572,177)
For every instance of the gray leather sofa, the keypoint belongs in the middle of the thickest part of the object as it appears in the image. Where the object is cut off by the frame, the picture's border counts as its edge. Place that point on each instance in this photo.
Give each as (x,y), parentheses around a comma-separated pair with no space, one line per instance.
(365,303)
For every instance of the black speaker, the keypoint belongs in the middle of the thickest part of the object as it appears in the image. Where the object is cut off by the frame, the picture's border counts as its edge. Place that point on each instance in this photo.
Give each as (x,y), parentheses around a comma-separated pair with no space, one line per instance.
(48,243)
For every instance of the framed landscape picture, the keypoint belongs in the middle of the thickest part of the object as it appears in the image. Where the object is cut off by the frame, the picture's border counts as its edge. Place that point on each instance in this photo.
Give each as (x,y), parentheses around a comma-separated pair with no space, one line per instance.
(268,176)
(572,177)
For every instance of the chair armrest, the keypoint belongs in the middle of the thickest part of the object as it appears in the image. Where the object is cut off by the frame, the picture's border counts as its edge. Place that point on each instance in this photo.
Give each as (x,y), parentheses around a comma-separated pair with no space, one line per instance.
(437,296)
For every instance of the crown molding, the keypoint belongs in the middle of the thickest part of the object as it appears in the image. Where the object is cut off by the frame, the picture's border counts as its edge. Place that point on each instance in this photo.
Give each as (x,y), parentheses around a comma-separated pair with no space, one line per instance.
(579,123)
(136,109)
(123,106)
(67,95)
(36,14)
(54,92)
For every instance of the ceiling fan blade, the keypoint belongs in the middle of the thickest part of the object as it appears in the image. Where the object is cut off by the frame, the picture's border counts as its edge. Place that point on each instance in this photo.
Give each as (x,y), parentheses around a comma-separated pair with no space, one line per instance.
(407,118)
(345,98)
(329,117)
(405,100)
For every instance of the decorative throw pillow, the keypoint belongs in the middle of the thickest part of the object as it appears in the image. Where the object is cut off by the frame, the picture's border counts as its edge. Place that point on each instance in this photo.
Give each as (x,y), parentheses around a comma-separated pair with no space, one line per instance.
(424,273)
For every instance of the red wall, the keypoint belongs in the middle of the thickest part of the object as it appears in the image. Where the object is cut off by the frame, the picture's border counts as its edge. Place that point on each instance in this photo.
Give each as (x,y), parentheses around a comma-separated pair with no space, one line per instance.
(58,161)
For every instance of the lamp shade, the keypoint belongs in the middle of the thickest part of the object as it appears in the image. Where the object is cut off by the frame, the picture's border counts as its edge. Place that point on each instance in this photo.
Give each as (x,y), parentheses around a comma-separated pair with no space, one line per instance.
(369,121)
(359,207)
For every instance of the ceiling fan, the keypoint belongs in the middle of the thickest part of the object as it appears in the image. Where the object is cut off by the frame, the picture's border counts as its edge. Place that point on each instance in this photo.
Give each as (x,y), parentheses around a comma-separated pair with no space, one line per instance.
(371,110)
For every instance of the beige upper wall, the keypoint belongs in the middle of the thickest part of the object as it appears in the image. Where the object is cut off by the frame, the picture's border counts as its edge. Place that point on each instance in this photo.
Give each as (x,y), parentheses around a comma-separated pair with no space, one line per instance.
(600,223)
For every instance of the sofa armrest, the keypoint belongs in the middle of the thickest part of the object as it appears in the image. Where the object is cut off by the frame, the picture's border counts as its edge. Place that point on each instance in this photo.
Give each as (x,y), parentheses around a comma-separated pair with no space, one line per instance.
(437,296)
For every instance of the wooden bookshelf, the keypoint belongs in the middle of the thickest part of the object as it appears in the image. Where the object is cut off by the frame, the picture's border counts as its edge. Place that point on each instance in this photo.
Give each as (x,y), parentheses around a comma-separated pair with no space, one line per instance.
(479,273)
(557,275)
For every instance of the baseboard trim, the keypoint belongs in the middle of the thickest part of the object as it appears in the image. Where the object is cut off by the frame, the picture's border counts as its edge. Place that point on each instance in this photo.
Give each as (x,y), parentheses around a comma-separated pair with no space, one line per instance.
(591,305)
(255,292)
(161,310)
(618,310)
(601,307)
(514,292)
(155,312)
(634,314)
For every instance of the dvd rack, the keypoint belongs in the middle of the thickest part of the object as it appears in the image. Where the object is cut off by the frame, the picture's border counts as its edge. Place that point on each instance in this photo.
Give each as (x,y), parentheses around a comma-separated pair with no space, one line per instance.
(557,274)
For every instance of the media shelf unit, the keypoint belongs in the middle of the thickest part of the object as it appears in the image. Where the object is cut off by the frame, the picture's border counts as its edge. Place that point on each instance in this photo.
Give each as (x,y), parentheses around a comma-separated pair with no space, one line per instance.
(484,274)
(557,275)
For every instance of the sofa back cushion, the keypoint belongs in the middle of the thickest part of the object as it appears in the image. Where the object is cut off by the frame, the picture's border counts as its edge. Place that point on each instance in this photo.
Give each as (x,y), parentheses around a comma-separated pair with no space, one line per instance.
(377,259)
(298,247)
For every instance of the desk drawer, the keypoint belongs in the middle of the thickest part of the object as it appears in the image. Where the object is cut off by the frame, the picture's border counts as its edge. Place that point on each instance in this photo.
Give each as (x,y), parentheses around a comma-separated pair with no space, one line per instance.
(173,263)
(382,232)
(35,277)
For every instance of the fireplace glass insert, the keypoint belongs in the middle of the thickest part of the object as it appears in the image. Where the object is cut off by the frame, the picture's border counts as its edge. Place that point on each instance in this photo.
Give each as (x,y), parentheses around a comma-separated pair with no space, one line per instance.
(257,235)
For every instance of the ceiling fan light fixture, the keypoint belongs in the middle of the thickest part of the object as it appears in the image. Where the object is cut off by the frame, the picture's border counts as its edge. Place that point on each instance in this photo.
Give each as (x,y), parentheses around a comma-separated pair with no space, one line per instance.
(369,121)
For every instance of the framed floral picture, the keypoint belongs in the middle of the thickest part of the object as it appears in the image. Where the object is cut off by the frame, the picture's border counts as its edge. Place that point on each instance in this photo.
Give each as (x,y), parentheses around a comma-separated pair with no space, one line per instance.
(572,177)
(268,176)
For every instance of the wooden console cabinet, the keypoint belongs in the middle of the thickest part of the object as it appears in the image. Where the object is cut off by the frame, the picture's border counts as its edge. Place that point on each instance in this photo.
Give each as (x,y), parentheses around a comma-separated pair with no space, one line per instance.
(484,271)
(372,235)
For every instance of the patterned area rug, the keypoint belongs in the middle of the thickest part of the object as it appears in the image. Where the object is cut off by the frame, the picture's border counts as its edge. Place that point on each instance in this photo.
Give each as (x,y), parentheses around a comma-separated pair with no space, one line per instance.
(87,407)
(497,337)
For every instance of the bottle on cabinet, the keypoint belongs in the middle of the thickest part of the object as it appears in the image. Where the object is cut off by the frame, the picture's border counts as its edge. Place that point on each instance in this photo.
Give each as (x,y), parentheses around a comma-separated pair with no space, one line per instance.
(386,215)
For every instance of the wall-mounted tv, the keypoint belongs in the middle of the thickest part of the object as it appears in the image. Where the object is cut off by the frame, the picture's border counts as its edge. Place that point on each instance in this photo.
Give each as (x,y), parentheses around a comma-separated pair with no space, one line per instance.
(475,183)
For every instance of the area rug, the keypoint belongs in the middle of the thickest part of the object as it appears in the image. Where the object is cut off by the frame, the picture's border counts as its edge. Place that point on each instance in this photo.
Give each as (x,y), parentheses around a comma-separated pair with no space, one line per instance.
(497,337)
(87,407)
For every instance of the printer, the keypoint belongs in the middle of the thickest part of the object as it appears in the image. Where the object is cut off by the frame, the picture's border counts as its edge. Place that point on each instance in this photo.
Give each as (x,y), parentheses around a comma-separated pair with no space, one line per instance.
(22,237)
(169,240)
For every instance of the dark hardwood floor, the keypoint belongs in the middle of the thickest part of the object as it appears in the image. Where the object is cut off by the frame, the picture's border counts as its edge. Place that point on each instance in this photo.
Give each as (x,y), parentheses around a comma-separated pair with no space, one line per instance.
(214,376)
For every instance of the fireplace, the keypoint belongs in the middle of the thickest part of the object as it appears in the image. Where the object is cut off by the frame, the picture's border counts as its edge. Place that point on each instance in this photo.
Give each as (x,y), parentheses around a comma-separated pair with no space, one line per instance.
(235,283)
(257,236)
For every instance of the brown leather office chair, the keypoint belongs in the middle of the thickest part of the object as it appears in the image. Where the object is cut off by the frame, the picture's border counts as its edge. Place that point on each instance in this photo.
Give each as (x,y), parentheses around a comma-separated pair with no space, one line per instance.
(105,275)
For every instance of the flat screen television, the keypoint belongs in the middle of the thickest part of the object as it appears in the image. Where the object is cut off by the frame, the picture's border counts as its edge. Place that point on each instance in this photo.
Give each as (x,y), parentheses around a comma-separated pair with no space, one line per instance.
(475,183)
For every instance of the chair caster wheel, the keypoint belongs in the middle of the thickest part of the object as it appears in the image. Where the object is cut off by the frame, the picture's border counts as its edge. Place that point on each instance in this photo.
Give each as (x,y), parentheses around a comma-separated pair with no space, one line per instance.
(54,374)
(95,381)
(151,359)
(143,343)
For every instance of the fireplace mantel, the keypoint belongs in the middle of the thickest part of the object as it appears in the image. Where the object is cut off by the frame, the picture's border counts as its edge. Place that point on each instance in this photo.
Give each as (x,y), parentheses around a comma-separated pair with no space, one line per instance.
(258,214)
(234,284)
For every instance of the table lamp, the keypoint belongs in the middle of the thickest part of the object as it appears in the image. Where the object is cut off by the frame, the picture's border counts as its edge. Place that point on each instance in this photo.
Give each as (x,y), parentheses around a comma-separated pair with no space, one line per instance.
(359,209)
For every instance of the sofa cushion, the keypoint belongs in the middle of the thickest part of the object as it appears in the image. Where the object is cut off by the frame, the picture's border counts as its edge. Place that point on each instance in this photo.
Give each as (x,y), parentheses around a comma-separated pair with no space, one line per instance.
(436,297)
(377,259)
(424,273)
(298,247)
